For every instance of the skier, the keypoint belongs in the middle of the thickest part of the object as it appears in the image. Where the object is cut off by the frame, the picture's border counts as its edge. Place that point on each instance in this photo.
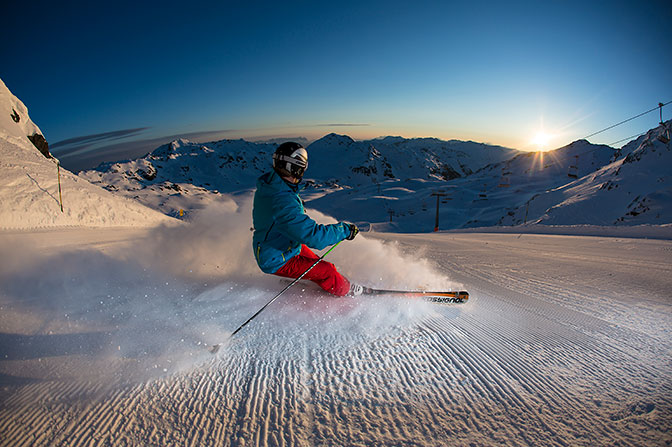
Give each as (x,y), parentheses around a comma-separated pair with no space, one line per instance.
(284,234)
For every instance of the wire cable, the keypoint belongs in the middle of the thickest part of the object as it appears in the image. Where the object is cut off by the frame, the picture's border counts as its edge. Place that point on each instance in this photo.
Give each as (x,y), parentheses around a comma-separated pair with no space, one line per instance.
(628,138)
(625,121)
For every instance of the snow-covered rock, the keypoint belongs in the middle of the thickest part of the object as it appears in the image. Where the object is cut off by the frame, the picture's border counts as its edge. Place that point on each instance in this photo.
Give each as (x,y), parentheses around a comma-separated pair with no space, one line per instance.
(29,185)
(15,123)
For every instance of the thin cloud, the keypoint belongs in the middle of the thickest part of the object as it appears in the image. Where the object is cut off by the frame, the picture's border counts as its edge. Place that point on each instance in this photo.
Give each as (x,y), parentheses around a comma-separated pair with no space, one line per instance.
(88,152)
(99,137)
(278,140)
(342,125)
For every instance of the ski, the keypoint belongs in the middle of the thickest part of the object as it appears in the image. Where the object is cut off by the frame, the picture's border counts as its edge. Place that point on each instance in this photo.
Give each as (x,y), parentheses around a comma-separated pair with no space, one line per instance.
(434,297)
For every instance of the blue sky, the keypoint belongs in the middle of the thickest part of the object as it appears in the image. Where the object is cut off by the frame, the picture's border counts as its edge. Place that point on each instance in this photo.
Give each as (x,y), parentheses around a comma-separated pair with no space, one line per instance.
(496,72)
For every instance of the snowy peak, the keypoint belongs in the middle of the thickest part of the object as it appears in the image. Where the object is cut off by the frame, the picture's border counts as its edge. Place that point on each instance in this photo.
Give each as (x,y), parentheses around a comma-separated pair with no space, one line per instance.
(333,139)
(204,165)
(168,150)
(345,161)
(580,147)
(390,139)
(551,169)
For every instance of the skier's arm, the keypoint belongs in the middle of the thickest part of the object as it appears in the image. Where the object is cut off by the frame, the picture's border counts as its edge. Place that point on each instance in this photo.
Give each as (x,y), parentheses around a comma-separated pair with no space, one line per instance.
(293,222)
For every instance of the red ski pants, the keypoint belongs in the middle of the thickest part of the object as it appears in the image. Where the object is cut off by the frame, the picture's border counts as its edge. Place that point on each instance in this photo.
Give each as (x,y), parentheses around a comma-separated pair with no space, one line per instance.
(323,274)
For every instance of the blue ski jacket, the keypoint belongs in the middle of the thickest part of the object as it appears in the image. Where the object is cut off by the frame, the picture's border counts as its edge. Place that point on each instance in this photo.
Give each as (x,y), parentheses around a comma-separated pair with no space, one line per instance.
(281,224)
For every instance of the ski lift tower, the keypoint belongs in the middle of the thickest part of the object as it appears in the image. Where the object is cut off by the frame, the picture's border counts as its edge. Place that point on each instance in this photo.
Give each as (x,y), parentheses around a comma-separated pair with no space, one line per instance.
(573,171)
(438,195)
(664,137)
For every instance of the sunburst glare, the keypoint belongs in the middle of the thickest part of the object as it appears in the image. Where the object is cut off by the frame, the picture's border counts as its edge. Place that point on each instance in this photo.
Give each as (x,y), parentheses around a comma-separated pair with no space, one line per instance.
(541,141)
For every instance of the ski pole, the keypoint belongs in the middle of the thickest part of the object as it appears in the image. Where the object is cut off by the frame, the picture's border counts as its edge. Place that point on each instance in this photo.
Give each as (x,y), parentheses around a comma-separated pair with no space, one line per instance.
(285,289)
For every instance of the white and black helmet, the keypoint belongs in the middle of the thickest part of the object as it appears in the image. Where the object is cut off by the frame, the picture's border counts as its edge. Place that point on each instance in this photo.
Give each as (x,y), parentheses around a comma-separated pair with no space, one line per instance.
(290,160)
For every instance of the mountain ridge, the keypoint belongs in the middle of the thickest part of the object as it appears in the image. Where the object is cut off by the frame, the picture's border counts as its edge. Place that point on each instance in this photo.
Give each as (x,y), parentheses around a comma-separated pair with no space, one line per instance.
(390,181)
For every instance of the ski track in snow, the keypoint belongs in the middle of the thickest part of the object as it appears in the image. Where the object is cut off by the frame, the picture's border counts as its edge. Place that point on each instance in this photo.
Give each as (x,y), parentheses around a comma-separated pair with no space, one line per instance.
(564,342)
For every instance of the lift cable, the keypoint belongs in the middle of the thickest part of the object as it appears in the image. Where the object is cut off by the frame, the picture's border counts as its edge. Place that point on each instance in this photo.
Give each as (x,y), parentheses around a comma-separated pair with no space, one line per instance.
(659,106)
(628,138)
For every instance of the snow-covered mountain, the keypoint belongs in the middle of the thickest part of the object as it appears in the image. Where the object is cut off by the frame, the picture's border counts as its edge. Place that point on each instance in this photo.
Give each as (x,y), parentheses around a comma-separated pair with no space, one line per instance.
(29,187)
(393,182)
(579,184)
(636,188)
(183,175)
(342,160)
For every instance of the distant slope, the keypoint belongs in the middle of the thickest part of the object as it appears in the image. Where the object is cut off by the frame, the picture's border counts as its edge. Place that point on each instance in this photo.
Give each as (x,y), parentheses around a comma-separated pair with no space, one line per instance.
(494,195)
(29,190)
(634,189)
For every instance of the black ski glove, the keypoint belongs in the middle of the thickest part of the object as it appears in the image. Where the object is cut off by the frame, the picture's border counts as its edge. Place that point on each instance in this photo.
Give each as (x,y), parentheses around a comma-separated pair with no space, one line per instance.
(353,231)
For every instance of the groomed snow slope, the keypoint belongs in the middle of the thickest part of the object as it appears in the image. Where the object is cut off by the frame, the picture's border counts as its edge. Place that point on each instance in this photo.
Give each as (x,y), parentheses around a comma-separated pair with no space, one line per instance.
(565,341)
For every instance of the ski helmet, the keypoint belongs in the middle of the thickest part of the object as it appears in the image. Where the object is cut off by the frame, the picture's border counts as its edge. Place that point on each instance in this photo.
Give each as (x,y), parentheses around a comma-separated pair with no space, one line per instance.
(290,160)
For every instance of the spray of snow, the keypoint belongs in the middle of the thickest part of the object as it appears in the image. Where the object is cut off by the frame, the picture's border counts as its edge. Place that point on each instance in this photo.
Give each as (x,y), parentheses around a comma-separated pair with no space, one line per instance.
(153,304)
(215,243)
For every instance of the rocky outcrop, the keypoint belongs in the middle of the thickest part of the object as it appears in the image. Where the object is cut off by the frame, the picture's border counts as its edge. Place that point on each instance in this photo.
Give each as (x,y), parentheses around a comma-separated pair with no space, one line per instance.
(40,143)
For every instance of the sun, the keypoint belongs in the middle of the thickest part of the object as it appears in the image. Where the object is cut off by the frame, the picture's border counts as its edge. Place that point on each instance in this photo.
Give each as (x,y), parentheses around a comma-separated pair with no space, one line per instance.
(541,141)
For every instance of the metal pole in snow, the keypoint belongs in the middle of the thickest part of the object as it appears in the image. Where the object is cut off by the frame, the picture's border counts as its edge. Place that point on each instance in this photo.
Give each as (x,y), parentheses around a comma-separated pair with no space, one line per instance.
(438,195)
(60,196)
